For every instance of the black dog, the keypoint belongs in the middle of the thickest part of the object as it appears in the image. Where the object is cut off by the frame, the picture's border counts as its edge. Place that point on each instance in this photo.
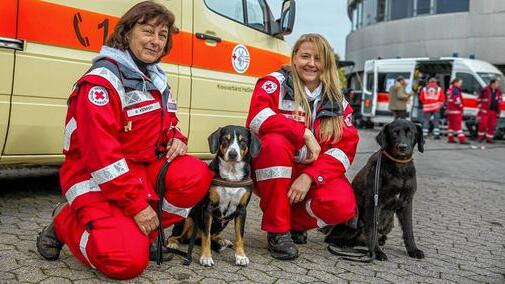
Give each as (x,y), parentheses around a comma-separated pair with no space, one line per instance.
(228,195)
(396,191)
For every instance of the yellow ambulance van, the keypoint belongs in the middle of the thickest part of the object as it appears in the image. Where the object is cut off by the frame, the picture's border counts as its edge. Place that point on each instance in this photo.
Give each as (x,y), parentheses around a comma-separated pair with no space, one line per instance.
(220,49)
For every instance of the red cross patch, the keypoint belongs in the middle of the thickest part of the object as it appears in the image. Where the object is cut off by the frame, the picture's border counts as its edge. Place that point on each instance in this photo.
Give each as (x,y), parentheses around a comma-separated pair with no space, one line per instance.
(269,87)
(348,120)
(98,96)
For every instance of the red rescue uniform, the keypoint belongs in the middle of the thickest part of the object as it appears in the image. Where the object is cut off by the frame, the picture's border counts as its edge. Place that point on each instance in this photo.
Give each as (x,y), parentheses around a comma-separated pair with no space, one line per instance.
(489,105)
(115,121)
(330,200)
(454,114)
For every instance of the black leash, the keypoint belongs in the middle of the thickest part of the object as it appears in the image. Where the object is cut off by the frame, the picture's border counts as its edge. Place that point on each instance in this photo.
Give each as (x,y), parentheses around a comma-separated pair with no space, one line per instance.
(364,255)
(160,190)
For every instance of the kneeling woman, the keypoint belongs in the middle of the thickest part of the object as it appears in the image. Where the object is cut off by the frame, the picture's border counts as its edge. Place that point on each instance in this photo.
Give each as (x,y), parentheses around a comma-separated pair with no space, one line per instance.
(308,143)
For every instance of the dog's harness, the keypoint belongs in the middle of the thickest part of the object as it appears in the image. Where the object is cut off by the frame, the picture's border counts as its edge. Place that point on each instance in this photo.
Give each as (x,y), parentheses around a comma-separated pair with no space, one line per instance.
(362,255)
(230,184)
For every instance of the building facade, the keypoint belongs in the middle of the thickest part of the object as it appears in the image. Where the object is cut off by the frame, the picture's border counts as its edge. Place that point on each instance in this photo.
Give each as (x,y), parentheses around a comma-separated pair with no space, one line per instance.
(426,28)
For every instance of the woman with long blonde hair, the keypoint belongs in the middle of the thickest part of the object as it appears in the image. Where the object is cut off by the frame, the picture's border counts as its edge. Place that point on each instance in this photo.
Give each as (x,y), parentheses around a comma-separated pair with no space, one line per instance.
(308,143)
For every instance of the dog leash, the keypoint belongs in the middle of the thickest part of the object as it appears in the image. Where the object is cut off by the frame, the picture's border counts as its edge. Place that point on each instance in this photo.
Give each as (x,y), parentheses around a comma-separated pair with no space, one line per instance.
(160,190)
(357,254)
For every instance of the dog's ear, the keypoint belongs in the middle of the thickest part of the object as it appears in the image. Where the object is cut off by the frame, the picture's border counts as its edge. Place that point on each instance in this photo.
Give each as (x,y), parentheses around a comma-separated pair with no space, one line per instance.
(419,138)
(381,138)
(255,146)
(214,141)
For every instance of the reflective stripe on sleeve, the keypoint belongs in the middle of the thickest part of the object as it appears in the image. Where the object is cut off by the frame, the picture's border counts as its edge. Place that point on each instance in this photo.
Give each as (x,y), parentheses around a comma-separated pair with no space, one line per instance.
(170,208)
(110,172)
(113,80)
(69,129)
(340,156)
(273,173)
(258,120)
(81,188)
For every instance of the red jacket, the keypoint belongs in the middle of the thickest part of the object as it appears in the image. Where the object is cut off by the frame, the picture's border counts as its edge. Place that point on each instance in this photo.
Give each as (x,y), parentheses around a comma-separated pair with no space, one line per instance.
(112,129)
(484,100)
(454,101)
(272,110)
(432,97)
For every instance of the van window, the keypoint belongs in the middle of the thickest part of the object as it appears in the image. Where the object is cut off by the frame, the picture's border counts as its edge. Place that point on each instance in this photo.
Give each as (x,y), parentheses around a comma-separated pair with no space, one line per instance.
(255,14)
(486,77)
(232,9)
(369,81)
(387,80)
(470,84)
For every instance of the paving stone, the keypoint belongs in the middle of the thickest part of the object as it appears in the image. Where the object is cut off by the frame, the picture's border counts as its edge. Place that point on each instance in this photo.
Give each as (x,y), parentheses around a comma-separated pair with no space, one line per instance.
(55,280)
(31,275)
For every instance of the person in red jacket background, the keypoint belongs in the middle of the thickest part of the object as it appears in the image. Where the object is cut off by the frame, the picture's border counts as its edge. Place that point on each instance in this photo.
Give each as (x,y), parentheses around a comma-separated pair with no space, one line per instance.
(308,143)
(432,97)
(121,127)
(455,112)
(489,105)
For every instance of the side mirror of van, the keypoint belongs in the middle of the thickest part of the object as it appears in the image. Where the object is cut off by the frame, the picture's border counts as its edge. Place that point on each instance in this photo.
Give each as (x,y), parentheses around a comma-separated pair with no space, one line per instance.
(284,25)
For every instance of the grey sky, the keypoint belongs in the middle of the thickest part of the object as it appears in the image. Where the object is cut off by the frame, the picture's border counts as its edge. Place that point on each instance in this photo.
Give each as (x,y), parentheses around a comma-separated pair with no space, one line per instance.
(327,17)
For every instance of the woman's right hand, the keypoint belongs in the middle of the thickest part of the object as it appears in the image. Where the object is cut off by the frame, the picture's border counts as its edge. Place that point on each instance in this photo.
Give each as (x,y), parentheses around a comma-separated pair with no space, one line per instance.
(313,148)
(147,220)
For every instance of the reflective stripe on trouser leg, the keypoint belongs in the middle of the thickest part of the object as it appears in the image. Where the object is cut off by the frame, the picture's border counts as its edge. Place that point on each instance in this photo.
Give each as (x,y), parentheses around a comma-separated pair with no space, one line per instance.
(319,221)
(83,244)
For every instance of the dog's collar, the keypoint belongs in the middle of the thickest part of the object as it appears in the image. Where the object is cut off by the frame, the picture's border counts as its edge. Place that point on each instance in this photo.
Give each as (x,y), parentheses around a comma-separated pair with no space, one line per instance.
(397,160)
(235,184)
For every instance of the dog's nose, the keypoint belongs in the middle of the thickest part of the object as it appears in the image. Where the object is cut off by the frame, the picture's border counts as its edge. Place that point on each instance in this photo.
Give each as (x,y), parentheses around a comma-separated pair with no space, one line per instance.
(232,154)
(403,147)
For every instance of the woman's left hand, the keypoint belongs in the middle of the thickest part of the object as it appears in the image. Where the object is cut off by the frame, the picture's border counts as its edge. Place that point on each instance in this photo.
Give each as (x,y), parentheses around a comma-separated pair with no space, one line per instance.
(299,188)
(175,147)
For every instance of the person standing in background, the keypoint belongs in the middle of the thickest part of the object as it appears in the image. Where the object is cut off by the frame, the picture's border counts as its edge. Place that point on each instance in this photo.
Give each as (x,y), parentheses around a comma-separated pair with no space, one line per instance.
(489,110)
(432,98)
(455,112)
(398,98)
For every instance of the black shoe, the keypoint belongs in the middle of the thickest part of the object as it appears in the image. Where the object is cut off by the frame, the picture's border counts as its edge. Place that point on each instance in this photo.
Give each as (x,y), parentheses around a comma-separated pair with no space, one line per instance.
(48,245)
(436,137)
(464,143)
(281,246)
(489,141)
(299,237)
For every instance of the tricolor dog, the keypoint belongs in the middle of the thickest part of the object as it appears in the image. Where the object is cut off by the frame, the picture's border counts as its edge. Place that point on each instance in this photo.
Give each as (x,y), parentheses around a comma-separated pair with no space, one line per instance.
(228,195)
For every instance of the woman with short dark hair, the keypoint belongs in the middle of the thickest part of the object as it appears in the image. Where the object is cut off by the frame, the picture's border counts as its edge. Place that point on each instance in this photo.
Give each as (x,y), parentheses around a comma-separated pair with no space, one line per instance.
(121,128)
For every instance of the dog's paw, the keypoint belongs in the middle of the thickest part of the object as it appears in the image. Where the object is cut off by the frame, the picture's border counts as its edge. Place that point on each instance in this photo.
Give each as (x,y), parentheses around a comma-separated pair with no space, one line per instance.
(224,244)
(206,261)
(379,255)
(172,244)
(417,253)
(241,260)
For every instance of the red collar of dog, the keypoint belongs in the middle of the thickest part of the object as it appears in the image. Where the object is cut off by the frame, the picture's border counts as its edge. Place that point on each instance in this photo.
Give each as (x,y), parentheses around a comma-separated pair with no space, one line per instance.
(397,160)
(235,184)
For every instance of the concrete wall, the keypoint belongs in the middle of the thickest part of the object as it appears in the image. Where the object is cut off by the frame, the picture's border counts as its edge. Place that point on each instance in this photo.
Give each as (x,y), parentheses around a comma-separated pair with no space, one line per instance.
(481,32)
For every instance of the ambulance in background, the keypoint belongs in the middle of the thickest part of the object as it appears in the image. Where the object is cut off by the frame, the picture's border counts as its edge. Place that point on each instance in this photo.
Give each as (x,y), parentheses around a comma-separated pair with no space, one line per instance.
(220,49)
(379,76)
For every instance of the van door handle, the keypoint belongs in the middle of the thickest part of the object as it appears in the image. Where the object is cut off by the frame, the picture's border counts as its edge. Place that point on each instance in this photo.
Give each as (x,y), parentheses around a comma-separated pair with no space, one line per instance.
(208,37)
(11,43)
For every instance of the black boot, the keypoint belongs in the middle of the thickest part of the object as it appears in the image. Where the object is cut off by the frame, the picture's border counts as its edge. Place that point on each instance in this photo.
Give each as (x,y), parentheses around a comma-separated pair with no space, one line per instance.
(48,245)
(281,246)
(299,237)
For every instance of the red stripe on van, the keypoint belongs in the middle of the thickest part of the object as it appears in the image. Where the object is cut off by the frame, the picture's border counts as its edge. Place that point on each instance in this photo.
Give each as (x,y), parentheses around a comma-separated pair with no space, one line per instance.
(383,97)
(58,25)
(8,15)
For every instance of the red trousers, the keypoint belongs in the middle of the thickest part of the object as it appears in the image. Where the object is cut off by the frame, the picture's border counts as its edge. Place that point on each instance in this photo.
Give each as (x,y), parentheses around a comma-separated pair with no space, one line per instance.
(115,245)
(487,124)
(454,127)
(328,204)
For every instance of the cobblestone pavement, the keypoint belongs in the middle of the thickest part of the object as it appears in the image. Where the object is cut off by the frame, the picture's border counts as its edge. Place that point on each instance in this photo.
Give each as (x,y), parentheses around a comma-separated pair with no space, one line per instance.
(459,218)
